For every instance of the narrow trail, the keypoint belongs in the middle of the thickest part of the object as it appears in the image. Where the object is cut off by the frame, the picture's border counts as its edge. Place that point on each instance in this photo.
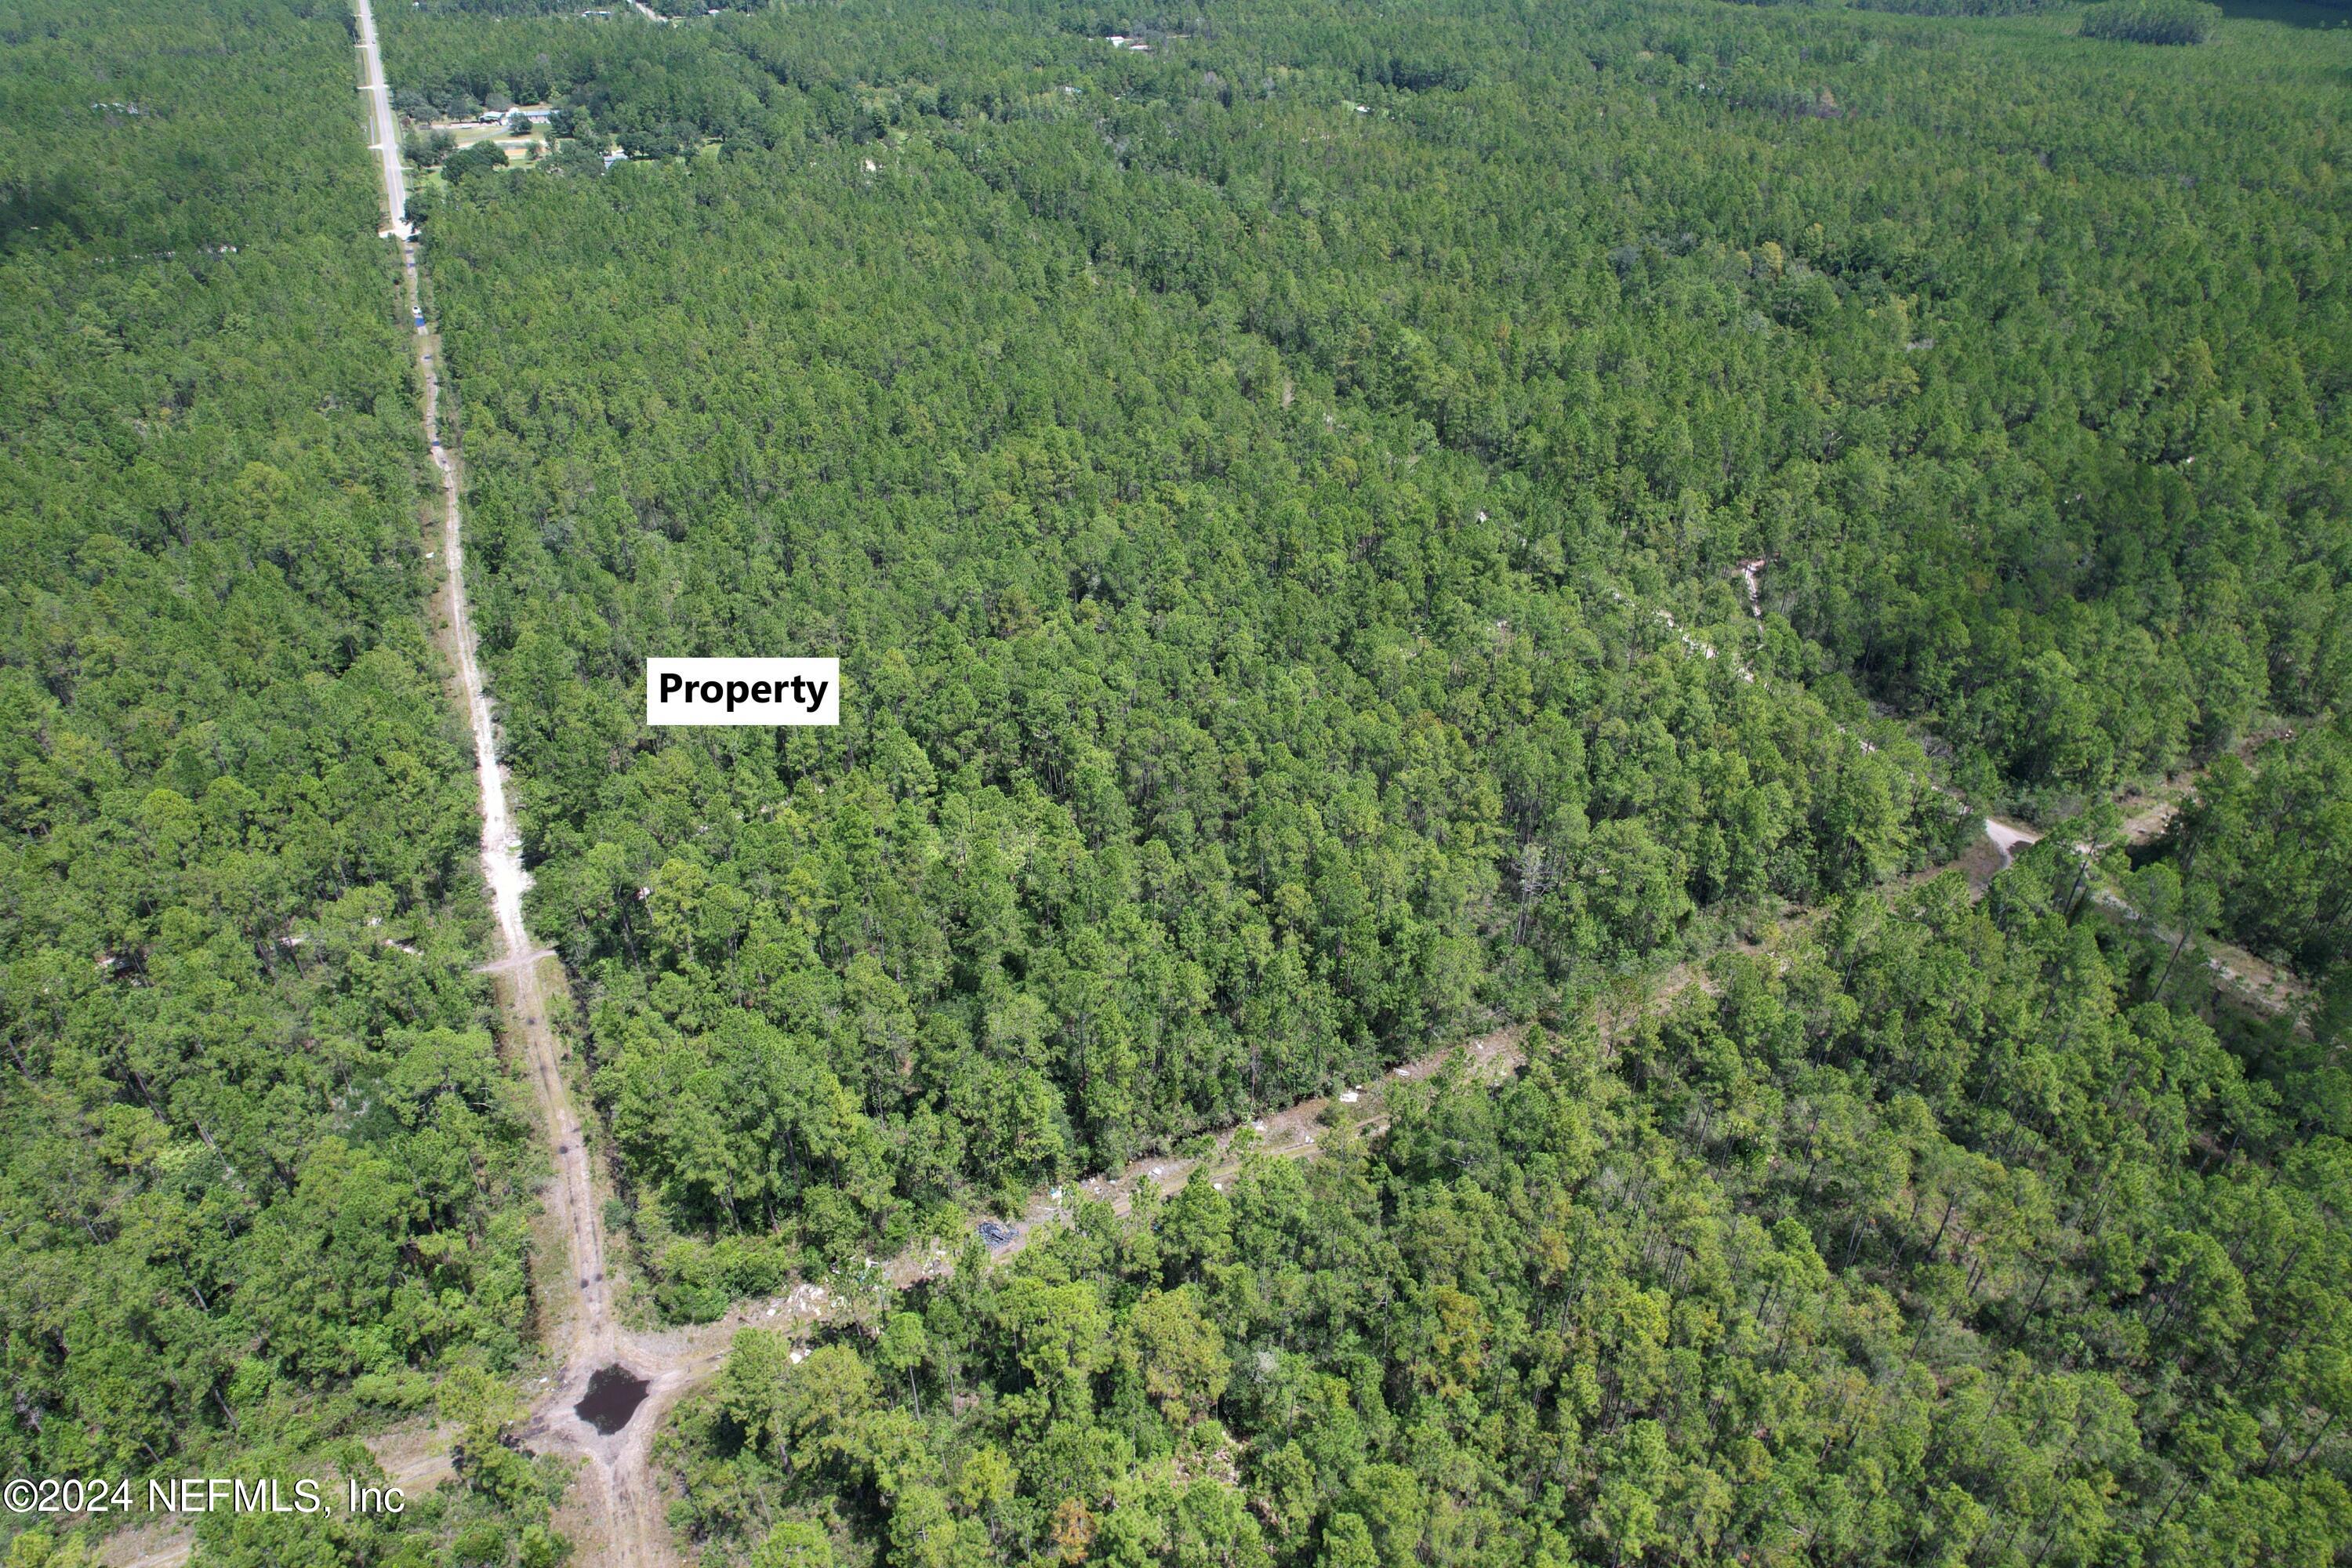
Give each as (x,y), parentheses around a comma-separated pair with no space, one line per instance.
(615,1514)
(2261,986)
(1296,1132)
(1301,1130)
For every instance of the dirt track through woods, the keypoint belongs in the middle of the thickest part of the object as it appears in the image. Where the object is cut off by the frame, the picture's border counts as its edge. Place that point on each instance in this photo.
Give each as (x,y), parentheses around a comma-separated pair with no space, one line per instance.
(616,1513)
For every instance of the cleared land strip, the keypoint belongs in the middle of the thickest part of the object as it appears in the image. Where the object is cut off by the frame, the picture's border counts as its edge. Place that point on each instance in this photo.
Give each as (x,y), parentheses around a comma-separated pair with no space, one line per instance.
(615,1518)
(1300,1131)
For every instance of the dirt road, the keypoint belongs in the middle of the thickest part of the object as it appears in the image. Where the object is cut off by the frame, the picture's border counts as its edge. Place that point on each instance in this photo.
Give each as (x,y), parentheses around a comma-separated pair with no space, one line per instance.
(616,1517)
(614,1512)
(2262,985)
(1295,1132)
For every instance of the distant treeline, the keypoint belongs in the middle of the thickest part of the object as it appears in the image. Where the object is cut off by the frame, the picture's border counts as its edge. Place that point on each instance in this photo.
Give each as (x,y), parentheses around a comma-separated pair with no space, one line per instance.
(2152,21)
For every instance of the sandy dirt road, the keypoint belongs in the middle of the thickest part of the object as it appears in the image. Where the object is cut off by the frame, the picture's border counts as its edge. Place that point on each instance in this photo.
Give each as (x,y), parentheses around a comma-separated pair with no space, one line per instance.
(2259,984)
(614,1512)
(1295,1132)
(618,1516)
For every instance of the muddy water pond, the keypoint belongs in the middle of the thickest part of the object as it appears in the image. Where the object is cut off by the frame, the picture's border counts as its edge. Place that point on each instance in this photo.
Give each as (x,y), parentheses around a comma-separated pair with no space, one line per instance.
(614,1394)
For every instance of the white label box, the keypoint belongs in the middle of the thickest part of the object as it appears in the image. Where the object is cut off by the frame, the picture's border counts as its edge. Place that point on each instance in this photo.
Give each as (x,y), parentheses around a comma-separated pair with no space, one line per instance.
(743,691)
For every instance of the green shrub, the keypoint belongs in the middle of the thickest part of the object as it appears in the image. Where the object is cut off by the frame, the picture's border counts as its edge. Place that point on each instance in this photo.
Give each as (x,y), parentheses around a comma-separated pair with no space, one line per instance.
(473,160)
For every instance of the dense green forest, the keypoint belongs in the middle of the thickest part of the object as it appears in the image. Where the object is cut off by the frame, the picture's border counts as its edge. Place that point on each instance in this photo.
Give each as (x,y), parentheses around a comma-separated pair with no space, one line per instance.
(1931,1241)
(1289,501)
(2151,21)
(260,1169)
(2264,856)
(1345,528)
(1279,497)
(1992,326)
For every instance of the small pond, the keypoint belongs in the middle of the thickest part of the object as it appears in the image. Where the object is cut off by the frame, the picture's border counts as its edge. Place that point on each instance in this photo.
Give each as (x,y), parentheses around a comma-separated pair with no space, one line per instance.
(614,1394)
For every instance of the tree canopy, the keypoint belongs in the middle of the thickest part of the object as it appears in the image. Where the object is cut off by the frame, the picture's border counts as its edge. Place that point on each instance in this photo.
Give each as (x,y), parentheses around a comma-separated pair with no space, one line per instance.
(264,1175)
(1930,1240)
(1344,528)
(1280,498)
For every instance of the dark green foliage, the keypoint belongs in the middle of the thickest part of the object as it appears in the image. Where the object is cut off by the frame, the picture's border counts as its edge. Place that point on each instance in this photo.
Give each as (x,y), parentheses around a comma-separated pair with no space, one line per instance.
(1278,497)
(2143,477)
(427,150)
(1931,1242)
(1957,8)
(260,1166)
(1215,732)
(2275,839)
(483,157)
(2152,21)
(1248,483)
(647,88)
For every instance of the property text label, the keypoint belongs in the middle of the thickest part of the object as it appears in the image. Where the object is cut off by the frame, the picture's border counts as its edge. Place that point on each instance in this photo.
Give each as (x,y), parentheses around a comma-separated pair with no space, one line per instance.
(750,692)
